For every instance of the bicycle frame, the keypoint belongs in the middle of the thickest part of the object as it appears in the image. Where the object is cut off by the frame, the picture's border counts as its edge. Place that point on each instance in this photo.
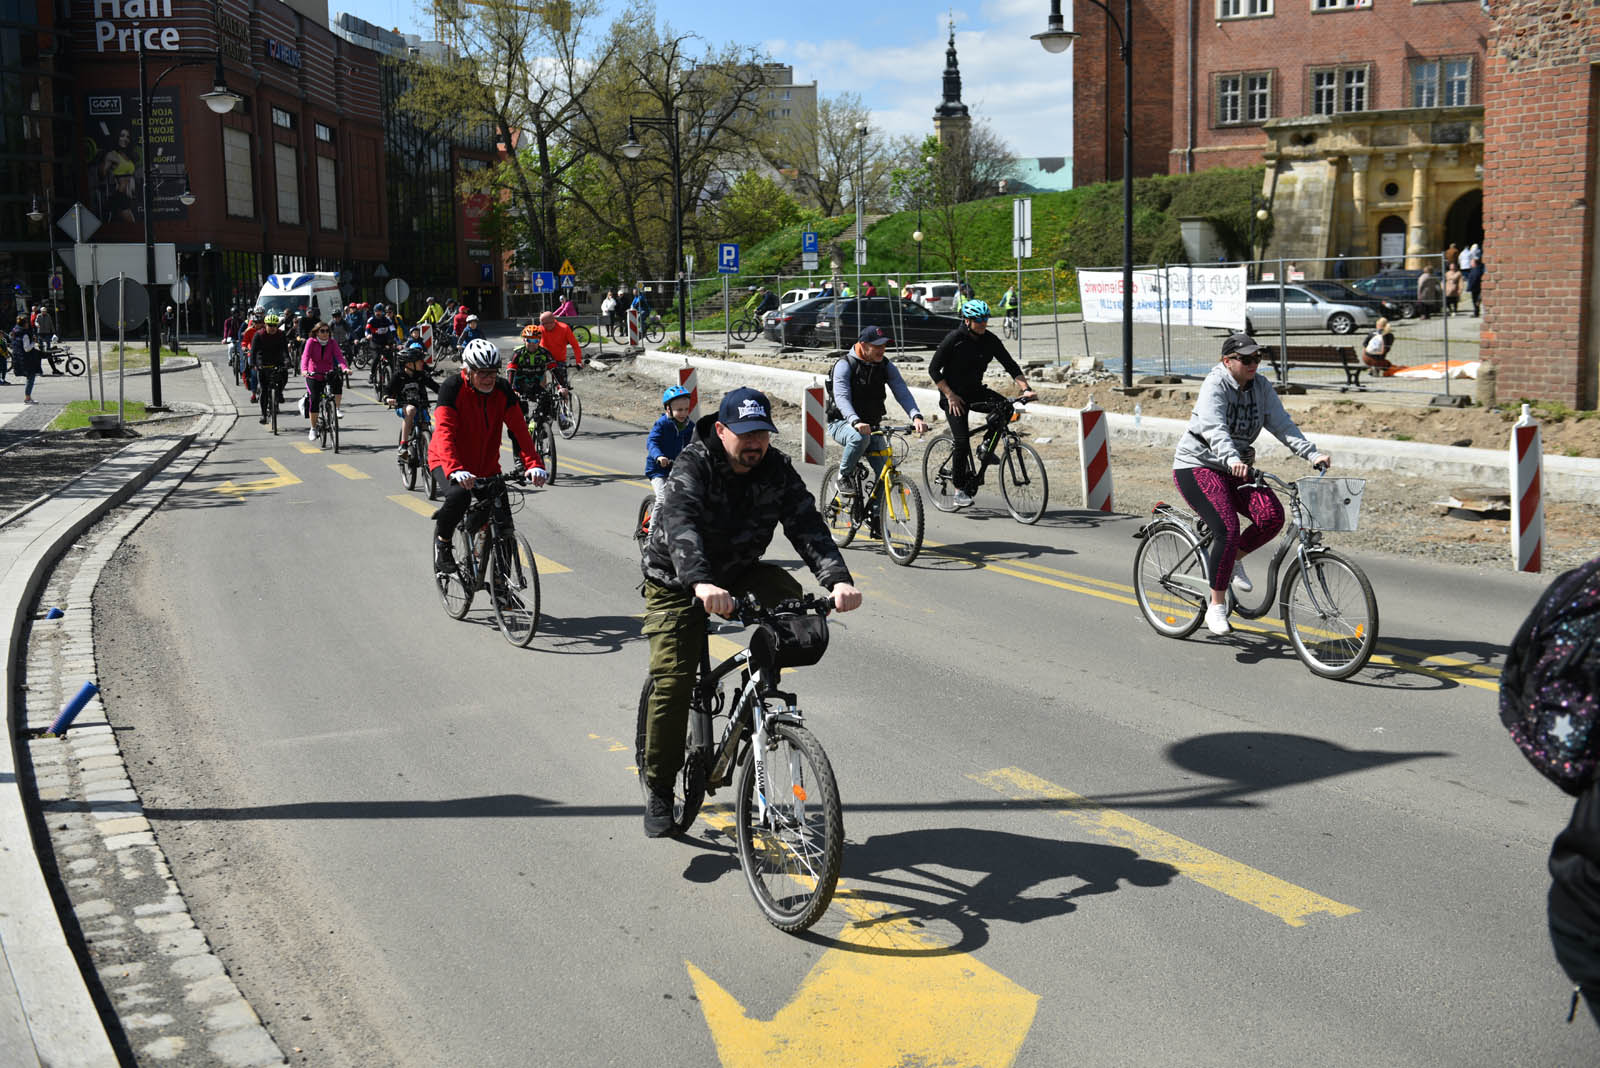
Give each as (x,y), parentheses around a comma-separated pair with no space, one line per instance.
(880,485)
(725,755)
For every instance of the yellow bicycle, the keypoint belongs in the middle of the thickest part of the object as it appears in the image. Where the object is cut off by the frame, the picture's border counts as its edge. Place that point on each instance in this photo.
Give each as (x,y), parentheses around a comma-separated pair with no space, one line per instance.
(890,506)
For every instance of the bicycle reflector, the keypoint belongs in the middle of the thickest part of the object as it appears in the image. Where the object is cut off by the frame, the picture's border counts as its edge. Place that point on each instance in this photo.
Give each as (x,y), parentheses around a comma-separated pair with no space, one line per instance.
(1015,415)
(799,792)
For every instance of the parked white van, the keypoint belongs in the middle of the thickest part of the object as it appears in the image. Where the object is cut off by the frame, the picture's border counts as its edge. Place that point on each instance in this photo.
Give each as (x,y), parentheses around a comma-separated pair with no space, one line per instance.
(940,297)
(795,296)
(284,293)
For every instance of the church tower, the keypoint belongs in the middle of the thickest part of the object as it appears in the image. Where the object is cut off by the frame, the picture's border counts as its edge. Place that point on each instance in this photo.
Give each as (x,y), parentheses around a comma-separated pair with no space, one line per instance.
(950,118)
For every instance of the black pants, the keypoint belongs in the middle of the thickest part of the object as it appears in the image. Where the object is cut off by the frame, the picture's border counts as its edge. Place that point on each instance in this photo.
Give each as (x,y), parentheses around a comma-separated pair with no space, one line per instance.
(999,414)
(456,501)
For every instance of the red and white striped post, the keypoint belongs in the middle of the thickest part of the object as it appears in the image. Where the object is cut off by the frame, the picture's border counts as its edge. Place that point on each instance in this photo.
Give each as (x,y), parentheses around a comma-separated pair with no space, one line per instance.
(1527,505)
(635,329)
(1094,458)
(691,382)
(816,425)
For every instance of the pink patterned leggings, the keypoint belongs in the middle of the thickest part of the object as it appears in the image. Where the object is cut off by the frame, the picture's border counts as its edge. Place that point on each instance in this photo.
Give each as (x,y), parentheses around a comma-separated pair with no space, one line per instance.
(1220,500)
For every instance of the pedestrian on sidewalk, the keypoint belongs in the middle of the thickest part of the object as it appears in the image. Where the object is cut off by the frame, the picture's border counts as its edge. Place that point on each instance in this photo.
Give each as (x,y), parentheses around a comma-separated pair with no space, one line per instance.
(1475,282)
(26,359)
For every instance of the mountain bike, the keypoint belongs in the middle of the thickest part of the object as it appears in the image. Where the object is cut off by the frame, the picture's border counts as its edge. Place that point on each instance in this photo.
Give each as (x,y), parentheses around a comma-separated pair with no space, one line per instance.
(888,504)
(746,327)
(236,361)
(569,412)
(382,368)
(1023,483)
(1327,604)
(269,387)
(790,830)
(541,413)
(491,554)
(328,411)
(413,457)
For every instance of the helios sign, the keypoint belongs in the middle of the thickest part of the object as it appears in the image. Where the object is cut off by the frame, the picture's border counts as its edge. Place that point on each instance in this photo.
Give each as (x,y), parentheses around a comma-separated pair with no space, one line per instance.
(135,32)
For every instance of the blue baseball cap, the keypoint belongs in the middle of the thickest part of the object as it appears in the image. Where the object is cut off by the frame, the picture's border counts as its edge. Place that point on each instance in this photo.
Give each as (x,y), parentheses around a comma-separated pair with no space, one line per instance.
(746,409)
(874,335)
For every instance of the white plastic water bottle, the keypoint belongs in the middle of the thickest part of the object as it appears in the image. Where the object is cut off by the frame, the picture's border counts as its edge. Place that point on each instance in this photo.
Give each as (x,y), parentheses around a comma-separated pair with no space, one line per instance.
(1138,412)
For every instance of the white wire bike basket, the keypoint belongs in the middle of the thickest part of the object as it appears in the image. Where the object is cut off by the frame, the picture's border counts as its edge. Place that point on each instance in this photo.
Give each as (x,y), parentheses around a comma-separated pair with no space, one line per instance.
(1331,503)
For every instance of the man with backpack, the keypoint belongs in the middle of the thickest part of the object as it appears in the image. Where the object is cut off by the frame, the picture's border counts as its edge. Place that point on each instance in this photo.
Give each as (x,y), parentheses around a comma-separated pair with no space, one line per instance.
(856,402)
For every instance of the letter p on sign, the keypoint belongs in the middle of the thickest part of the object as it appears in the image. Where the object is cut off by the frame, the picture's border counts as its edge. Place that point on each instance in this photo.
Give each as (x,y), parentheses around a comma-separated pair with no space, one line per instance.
(727,259)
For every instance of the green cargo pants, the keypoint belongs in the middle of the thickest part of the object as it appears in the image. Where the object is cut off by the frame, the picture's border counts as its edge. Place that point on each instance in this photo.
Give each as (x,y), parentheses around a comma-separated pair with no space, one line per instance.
(675,623)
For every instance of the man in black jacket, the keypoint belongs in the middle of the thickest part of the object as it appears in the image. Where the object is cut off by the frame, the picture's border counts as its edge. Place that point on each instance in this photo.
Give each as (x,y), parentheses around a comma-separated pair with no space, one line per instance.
(957,370)
(727,493)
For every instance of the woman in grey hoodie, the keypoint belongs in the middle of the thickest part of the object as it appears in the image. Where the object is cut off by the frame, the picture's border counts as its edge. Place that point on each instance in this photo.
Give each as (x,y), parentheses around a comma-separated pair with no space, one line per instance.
(1213,461)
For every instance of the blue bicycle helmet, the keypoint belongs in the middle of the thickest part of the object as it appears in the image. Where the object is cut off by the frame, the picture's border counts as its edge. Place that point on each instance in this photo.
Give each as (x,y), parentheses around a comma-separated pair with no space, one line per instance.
(974,309)
(672,393)
(422,350)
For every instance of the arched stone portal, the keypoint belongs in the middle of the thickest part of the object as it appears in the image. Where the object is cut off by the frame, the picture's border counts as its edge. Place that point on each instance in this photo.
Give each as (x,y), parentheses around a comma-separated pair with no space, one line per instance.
(1463,224)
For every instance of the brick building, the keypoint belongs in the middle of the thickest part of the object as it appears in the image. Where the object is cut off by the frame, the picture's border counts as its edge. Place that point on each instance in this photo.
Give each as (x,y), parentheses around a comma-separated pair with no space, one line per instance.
(1540,171)
(1097,70)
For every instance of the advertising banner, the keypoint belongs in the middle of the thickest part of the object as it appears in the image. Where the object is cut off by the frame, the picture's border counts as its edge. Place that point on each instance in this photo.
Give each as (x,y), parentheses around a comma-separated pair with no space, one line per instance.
(111,150)
(1183,296)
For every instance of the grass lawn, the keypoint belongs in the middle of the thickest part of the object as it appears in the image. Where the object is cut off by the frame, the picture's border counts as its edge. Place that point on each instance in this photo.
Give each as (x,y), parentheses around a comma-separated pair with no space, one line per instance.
(78,412)
(135,355)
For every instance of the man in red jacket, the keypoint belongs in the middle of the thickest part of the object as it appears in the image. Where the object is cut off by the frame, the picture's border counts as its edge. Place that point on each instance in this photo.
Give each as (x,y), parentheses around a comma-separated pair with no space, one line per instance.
(472,409)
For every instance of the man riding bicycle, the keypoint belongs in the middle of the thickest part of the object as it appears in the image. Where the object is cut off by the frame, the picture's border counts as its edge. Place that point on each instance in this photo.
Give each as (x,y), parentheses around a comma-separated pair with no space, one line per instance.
(856,402)
(269,355)
(473,406)
(557,337)
(957,370)
(408,392)
(382,335)
(529,370)
(727,492)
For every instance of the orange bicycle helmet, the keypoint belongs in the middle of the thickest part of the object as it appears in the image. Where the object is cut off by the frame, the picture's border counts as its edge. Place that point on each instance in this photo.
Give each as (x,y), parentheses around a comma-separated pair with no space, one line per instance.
(531,332)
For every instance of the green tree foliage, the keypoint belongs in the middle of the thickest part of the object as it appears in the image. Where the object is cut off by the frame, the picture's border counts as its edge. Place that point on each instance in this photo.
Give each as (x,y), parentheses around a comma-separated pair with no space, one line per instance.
(754,209)
(824,155)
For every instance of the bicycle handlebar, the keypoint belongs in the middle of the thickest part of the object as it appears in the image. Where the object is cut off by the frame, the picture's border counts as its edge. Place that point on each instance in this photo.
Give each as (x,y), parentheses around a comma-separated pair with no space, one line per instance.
(1259,477)
(750,611)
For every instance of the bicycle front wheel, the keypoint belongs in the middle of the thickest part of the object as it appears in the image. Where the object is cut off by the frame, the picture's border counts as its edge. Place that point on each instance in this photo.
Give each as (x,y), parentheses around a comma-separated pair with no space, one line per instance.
(545,439)
(76,366)
(333,418)
(654,333)
(456,587)
(835,512)
(569,414)
(690,788)
(790,852)
(514,588)
(583,335)
(900,520)
(1023,483)
(938,473)
(1167,552)
(1330,613)
(743,330)
(435,491)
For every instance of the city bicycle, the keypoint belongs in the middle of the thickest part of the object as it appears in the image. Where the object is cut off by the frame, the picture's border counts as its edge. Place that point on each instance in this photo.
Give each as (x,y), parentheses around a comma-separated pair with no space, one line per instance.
(1326,601)
(1011,326)
(491,554)
(1023,483)
(269,388)
(582,334)
(746,328)
(569,413)
(541,413)
(382,368)
(789,827)
(413,456)
(888,504)
(56,356)
(236,362)
(654,330)
(328,411)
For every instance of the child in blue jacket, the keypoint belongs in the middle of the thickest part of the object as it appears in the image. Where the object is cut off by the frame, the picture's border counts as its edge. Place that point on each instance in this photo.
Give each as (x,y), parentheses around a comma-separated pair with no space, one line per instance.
(667,438)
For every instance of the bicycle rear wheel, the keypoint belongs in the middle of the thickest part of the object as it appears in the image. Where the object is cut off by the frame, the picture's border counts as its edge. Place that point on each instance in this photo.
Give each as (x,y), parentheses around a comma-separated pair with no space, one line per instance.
(791,853)
(744,330)
(456,588)
(689,791)
(1333,625)
(1173,610)
(514,588)
(569,414)
(76,366)
(409,468)
(641,527)
(583,335)
(1023,483)
(654,332)
(835,511)
(938,465)
(900,520)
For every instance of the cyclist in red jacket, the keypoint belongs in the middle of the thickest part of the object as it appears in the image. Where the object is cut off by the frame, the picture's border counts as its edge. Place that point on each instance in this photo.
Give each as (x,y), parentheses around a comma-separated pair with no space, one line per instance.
(471,411)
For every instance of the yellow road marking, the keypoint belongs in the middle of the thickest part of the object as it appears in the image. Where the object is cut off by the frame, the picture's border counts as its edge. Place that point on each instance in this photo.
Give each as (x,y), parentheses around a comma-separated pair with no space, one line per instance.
(1290,903)
(307,448)
(417,505)
(348,472)
(548,566)
(282,477)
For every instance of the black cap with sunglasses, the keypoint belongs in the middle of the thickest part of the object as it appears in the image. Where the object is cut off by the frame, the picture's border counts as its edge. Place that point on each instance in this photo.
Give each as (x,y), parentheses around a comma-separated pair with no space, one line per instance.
(1243,347)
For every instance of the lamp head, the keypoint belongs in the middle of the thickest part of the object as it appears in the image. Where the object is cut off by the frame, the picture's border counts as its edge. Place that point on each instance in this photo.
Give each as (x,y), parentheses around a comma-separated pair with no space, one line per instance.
(1056,38)
(1261,214)
(916,235)
(631,147)
(34,214)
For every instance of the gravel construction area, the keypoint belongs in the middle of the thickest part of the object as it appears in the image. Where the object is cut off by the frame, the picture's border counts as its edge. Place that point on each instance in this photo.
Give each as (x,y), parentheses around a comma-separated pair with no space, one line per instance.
(1400,516)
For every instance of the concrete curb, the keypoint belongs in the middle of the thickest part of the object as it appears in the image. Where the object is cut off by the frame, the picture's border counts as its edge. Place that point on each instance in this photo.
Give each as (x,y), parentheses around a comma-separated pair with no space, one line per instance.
(1565,477)
(47,1016)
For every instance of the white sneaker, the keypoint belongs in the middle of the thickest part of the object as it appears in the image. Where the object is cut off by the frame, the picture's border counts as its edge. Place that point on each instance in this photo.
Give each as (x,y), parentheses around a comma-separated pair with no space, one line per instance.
(311,433)
(1241,581)
(963,499)
(1217,619)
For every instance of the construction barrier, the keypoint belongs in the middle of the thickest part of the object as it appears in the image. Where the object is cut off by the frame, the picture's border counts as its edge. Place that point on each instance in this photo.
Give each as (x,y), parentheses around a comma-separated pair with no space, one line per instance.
(1094,458)
(691,382)
(426,330)
(816,425)
(635,329)
(1527,506)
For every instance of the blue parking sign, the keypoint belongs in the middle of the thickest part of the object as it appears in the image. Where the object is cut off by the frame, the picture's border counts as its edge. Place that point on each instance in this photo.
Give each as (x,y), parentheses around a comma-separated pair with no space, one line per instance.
(808,242)
(727,259)
(543,282)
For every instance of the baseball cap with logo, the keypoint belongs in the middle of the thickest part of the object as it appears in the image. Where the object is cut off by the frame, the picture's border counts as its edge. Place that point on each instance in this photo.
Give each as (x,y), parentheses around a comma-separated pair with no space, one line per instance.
(874,335)
(746,409)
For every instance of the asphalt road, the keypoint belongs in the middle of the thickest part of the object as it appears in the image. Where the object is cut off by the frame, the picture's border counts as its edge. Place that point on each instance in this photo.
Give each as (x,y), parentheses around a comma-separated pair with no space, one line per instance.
(1070,840)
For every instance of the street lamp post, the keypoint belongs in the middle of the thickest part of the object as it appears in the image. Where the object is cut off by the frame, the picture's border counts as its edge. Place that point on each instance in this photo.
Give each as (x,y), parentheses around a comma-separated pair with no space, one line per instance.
(1057,39)
(45,216)
(1258,214)
(861,156)
(668,125)
(220,100)
(916,235)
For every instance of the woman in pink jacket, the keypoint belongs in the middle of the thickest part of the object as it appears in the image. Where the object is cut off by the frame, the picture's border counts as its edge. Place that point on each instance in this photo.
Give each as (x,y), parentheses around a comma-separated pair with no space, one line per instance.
(322,364)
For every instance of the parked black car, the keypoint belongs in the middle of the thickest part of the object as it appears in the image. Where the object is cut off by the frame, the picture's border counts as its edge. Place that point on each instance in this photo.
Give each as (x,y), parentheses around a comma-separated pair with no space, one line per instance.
(909,324)
(1340,293)
(795,324)
(1396,286)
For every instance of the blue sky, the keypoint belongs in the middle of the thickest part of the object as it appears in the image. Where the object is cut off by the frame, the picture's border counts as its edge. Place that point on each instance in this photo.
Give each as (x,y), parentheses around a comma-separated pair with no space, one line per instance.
(890,53)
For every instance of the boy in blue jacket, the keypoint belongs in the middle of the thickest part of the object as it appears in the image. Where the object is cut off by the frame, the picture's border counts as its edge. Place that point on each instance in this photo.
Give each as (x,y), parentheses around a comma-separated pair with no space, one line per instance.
(671,433)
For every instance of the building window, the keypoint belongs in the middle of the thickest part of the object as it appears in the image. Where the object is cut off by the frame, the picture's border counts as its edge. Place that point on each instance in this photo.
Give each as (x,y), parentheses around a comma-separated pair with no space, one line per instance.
(282,118)
(1338,89)
(237,176)
(1441,83)
(1424,85)
(1244,97)
(786,94)
(1338,5)
(1243,9)
(327,194)
(324,133)
(288,175)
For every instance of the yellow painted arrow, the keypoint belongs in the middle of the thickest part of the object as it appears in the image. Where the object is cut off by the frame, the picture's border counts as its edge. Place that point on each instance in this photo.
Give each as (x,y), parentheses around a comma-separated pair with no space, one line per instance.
(876,1009)
(282,477)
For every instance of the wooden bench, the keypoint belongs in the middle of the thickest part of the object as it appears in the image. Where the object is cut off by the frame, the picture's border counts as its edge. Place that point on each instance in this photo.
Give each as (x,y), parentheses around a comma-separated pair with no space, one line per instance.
(1343,356)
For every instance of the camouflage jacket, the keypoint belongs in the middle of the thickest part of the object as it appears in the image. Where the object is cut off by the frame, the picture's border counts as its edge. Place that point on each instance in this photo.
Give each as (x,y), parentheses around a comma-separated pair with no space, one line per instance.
(715,523)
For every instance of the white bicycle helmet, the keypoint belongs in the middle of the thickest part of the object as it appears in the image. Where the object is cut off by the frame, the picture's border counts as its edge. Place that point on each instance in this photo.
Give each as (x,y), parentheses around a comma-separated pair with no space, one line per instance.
(481,354)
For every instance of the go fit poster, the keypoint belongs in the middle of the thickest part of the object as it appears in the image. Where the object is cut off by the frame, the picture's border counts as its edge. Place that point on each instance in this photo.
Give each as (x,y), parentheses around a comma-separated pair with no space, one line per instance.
(111,149)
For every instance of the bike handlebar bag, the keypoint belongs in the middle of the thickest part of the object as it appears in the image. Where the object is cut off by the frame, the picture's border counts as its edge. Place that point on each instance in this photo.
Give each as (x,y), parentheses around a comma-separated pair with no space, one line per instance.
(790,641)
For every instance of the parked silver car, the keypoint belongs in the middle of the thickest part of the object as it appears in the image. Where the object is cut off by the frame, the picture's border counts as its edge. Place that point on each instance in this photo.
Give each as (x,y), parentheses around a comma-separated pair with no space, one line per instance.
(1302,310)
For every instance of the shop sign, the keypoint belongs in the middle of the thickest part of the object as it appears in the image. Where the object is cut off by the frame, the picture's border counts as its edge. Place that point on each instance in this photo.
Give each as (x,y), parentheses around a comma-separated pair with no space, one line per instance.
(288,55)
(141,36)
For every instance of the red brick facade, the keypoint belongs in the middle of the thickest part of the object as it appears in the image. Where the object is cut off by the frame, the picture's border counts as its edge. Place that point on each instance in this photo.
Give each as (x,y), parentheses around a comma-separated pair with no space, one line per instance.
(1097,91)
(1539,200)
